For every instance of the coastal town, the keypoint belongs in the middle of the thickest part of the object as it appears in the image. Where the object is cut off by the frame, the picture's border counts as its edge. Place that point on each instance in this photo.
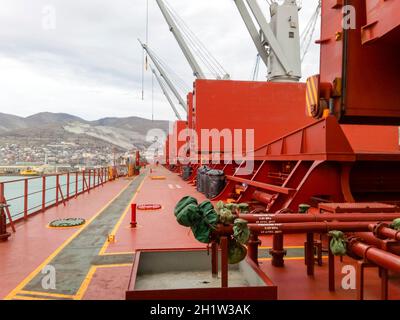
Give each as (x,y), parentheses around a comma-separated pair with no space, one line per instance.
(51,158)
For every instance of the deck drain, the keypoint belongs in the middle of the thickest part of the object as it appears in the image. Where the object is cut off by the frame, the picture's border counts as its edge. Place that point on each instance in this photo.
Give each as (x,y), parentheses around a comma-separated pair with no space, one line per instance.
(149,207)
(67,223)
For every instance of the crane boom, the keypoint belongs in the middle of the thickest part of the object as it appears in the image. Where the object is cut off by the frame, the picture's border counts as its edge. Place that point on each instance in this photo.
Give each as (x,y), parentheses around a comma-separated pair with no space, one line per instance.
(164,74)
(255,35)
(278,42)
(164,89)
(197,71)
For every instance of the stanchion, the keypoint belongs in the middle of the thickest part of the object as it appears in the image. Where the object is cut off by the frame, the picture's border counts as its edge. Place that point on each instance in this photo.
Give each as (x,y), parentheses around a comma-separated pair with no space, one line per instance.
(133,215)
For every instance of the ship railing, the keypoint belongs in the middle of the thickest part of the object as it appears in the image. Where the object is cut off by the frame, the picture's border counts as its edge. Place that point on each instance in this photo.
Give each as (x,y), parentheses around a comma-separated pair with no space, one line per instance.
(31,195)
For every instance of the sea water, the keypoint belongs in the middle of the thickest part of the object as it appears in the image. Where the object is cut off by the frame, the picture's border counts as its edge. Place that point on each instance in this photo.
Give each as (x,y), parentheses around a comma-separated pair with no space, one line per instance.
(14,191)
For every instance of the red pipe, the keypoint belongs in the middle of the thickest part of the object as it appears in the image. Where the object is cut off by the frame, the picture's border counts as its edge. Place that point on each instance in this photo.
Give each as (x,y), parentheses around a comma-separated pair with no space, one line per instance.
(133,215)
(309,227)
(278,251)
(262,197)
(382,230)
(384,259)
(252,248)
(302,227)
(369,238)
(317,217)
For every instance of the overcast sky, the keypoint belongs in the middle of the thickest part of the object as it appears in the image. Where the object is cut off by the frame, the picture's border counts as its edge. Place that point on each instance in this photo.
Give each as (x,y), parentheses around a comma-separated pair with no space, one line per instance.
(87,60)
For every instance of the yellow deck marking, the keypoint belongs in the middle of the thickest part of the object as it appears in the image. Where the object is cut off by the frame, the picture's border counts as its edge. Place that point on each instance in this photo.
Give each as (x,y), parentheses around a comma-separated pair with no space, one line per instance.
(18,297)
(288,247)
(89,277)
(24,282)
(46,294)
(288,258)
(117,253)
(117,225)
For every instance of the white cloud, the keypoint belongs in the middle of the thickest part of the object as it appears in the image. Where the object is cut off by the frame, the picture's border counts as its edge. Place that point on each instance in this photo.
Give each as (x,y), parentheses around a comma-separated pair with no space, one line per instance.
(91,64)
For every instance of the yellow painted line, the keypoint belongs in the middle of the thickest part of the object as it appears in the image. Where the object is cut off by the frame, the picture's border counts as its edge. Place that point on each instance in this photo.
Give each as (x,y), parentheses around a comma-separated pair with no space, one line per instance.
(113,265)
(85,283)
(89,277)
(46,294)
(65,228)
(308,105)
(117,253)
(313,90)
(117,225)
(310,93)
(18,297)
(58,250)
(288,258)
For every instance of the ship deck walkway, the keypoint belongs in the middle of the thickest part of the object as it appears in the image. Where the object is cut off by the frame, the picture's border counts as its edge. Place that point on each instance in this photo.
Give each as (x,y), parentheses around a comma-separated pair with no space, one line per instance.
(88,266)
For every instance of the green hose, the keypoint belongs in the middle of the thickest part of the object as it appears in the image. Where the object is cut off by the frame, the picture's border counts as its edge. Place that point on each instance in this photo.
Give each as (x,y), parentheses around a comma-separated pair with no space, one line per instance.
(338,243)
(203,218)
(241,231)
(396,224)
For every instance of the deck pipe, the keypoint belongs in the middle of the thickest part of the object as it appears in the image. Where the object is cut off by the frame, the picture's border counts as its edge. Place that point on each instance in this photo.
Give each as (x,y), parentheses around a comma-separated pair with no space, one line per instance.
(279,229)
(309,227)
(370,238)
(383,231)
(262,197)
(381,258)
(317,217)
(277,252)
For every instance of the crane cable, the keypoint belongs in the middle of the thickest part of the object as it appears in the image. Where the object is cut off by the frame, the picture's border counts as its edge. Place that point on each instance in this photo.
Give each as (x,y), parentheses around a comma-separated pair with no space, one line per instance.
(256,68)
(197,46)
(173,76)
(307,34)
(144,54)
(152,97)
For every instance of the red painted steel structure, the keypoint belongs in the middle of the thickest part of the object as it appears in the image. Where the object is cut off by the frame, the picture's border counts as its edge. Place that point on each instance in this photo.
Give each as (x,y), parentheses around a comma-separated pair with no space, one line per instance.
(348,157)
(4,235)
(359,70)
(177,141)
(316,161)
(191,115)
(381,20)
(133,215)
(271,109)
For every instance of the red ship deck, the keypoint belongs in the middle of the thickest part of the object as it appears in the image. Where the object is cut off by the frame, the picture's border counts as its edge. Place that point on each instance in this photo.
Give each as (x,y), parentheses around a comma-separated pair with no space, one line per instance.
(89,267)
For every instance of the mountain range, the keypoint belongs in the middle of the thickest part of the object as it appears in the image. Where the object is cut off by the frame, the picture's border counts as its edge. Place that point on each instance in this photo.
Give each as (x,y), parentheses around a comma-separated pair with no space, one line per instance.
(125,133)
